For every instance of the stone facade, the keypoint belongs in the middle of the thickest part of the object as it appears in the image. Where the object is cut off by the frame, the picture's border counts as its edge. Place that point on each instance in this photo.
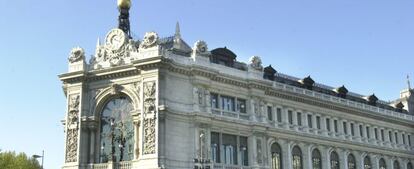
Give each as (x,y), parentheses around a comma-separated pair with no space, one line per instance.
(189,110)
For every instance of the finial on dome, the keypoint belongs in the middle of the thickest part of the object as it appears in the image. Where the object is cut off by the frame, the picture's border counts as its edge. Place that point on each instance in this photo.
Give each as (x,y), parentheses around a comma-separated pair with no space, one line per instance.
(408,82)
(124,4)
(177,30)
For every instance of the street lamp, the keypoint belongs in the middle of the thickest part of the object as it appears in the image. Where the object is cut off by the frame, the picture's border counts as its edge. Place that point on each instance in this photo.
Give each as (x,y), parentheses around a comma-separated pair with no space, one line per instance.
(40,156)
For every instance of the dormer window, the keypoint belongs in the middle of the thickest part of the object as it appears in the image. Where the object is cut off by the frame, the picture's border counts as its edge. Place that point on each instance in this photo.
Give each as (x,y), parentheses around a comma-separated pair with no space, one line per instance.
(223,56)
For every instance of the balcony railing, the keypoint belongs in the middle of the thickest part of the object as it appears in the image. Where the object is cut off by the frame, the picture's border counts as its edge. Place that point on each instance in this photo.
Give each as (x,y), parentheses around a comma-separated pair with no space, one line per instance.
(227,166)
(120,165)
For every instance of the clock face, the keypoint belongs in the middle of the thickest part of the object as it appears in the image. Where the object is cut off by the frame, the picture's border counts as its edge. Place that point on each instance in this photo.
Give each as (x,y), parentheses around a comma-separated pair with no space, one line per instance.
(115,39)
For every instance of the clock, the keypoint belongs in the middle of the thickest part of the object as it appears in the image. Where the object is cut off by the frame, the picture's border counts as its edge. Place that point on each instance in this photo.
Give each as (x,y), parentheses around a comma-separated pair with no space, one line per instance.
(115,39)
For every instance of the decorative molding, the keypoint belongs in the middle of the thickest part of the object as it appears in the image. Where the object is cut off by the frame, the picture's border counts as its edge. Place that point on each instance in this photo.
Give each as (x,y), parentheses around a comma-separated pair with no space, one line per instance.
(255,62)
(76,54)
(72,128)
(150,116)
(150,40)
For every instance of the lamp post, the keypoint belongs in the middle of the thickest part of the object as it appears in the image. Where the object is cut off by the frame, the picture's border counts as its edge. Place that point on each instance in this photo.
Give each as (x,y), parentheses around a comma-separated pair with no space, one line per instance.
(40,156)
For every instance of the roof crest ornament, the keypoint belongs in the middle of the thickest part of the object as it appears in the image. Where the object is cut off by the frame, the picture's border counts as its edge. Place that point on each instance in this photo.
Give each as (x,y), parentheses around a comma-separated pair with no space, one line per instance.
(408,82)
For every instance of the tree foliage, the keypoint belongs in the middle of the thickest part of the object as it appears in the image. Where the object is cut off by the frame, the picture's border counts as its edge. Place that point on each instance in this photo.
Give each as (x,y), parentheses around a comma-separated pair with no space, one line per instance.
(11,160)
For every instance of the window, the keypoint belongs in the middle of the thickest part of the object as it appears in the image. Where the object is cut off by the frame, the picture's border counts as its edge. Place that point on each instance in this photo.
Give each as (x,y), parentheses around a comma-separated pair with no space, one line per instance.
(376,133)
(215,147)
(409,165)
(241,105)
(279,115)
(403,138)
(229,144)
(269,113)
(243,151)
(351,162)
(396,137)
(117,130)
(276,153)
(396,165)
(227,103)
(382,164)
(352,129)
(336,126)
(382,135)
(409,140)
(345,128)
(318,122)
(368,132)
(214,101)
(328,124)
(296,158)
(299,118)
(360,130)
(290,116)
(334,160)
(316,159)
(367,163)
(310,124)
(225,149)
(390,136)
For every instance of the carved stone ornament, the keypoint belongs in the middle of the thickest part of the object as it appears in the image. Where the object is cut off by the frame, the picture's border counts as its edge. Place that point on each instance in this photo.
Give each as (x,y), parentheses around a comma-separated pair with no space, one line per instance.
(115,89)
(73,114)
(76,54)
(255,62)
(71,145)
(149,117)
(149,133)
(150,40)
(200,47)
(116,50)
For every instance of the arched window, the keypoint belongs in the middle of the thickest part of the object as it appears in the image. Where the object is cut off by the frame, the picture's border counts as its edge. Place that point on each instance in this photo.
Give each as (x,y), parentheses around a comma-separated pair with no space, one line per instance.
(367,163)
(382,164)
(116,131)
(351,162)
(334,160)
(396,165)
(276,153)
(316,159)
(409,165)
(296,158)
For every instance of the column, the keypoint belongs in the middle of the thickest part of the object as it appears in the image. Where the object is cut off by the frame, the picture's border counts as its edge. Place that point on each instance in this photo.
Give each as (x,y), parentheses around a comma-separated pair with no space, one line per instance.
(372,135)
(251,141)
(348,126)
(324,126)
(92,130)
(357,132)
(387,137)
(342,158)
(333,133)
(286,154)
(359,161)
(315,127)
(295,120)
(285,121)
(325,157)
(306,155)
(341,129)
(305,122)
(374,161)
(364,133)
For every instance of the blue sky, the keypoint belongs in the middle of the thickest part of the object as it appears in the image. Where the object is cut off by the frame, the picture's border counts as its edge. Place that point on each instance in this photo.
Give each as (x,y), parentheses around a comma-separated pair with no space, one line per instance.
(367,45)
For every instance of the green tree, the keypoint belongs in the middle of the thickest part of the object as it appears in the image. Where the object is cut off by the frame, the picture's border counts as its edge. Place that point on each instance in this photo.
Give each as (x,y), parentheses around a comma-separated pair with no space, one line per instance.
(11,160)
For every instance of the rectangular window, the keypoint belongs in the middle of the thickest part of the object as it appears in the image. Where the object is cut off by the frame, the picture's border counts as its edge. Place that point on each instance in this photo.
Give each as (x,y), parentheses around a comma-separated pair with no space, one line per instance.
(376,133)
(241,105)
(382,135)
(328,124)
(299,118)
(403,137)
(269,113)
(290,116)
(229,145)
(214,101)
(279,115)
(352,129)
(336,126)
(345,128)
(215,147)
(227,103)
(390,136)
(318,122)
(368,132)
(396,137)
(244,151)
(310,125)
(409,140)
(360,130)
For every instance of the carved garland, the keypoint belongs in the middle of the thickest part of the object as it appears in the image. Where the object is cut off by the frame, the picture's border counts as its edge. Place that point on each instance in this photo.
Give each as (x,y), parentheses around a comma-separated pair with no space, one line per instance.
(149,117)
(72,129)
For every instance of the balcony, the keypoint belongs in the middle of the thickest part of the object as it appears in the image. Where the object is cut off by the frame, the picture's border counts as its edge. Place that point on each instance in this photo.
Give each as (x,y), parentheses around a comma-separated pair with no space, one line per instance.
(120,165)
